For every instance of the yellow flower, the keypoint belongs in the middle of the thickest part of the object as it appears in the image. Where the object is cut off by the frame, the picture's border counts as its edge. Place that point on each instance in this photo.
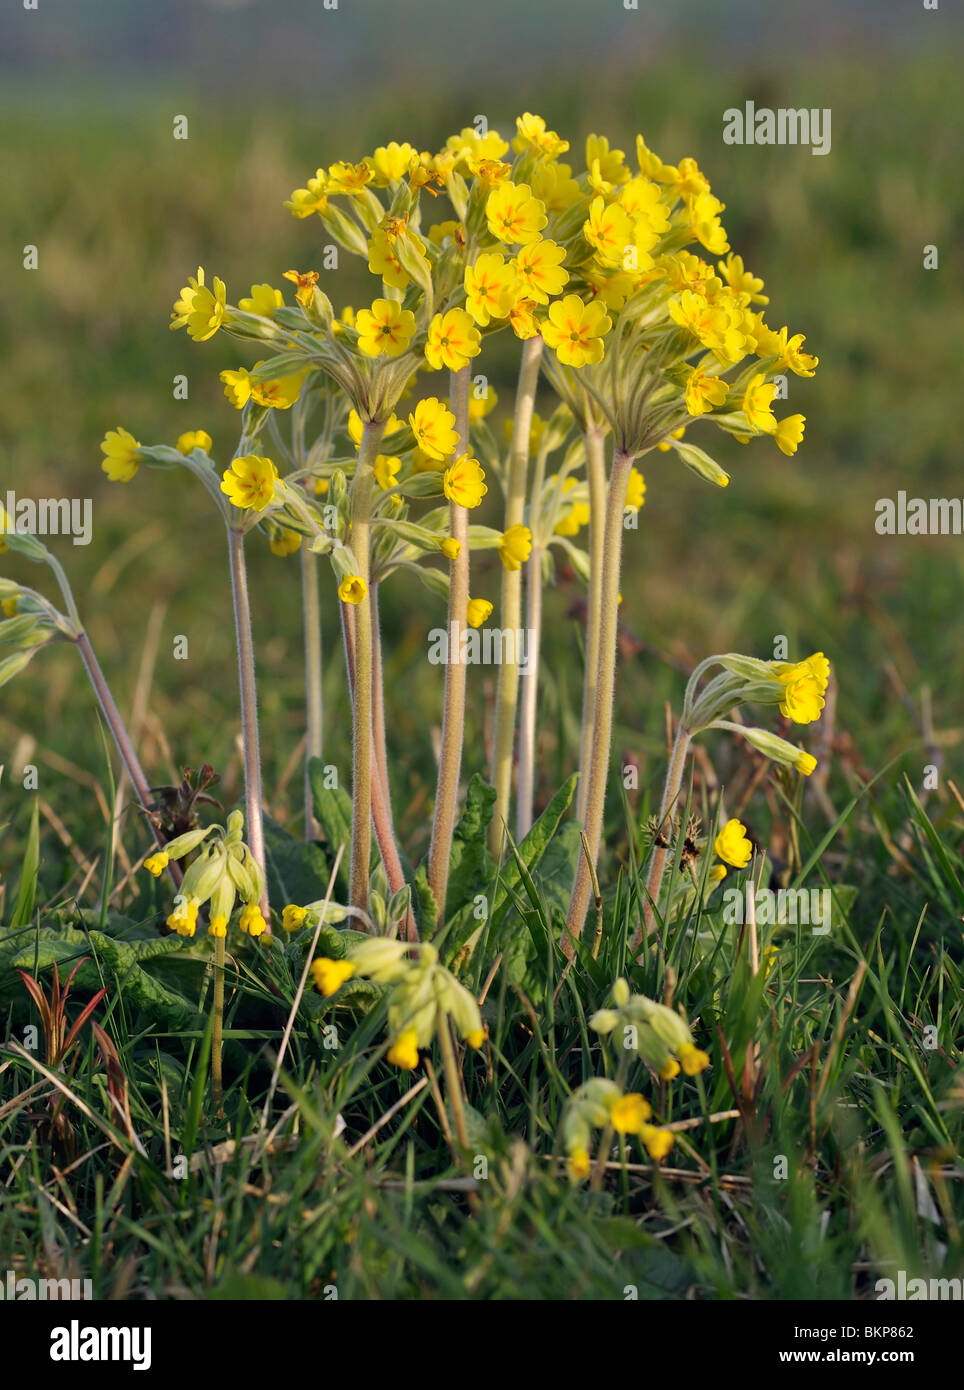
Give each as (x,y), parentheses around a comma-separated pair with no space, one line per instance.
(540,269)
(200,309)
(513,215)
(478,610)
(717,874)
(705,224)
(693,1059)
(789,433)
(612,164)
(386,470)
(450,548)
(669,1069)
(704,392)
(383,261)
(787,350)
(120,450)
(183,919)
(610,230)
(470,144)
(330,975)
(263,301)
(355,426)
(716,326)
(522,319)
(758,404)
(306,280)
(434,428)
(658,1141)
(352,589)
(404,1050)
(218,926)
(534,135)
(280,393)
(293,917)
(741,281)
(805,763)
(491,287)
(629,1113)
(579,1165)
(732,846)
(572,518)
(515,546)
(635,489)
(286,544)
(250,482)
(475,1038)
(802,698)
(194,439)
(349,178)
(156,863)
(452,340)
(306,201)
(251,920)
(391,162)
(463,482)
(553,184)
(576,330)
(386,327)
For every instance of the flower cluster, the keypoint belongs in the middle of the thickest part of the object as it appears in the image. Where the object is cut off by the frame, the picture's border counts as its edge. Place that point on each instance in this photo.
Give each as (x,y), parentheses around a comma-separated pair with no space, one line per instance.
(662,1039)
(223,873)
(599,1104)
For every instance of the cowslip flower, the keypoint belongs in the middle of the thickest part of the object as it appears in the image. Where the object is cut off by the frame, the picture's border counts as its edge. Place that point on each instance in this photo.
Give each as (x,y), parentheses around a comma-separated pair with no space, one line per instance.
(478,610)
(200,309)
(280,393)
(193,439)
(463,482)
(264,300)
(250,482)
(121,455)
(305,202)
(385,328)
(156,863)
(789,433)
(522,319)
(612,163)
(629,1113)
(391,162)
(433,425)
(306,280)
(513,215)
(491,287)
(352,589)
(704,392)
(758,405)
(635,490)
(252,921)
(540,270)
(732,846)
(741,281)
(452,340)
(386,470)
(344,177)
(450,547)
(609,230)
(330,975)
(286,542)
(533,134)
(575,330)
(515,546)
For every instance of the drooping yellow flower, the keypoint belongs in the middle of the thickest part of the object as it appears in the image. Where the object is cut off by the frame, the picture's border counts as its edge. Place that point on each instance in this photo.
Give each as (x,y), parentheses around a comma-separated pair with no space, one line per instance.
(491,287)
(352,589)
(693,1059)
(789,433)
(805,763)
(575,330)
(450,548)
(391,162)
(349,178)
(716,327)
(629,1113)
(802,698)
(670,1067)
(183,919)
(305,202)
(741,281)
(612,163)
(306,280)
(658,1141)
(478,611)
(218,926)
(704,392)
(705,224)
(200,309)
(330,975)
(403,1052)
(383,260)
(264,300)
(250,482)
(434,428)
(463,482)
(535,135)
(156,863)
(540,270)
(386,470)
(579,1165)
(789,352)
(280,393)
(251,921)
(758,404)
(513,215)
(193,439)
(453,340)
(286,543)
(572,518)
(121,458)
(635,489)
(293,917)
(515,546)
(732,846)
(522,319)
(385,328)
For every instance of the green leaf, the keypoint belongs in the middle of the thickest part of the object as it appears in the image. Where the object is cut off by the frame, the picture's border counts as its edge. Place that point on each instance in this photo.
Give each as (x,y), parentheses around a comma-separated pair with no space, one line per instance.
(27,893)
(535,844)
(297,870)
(470,865)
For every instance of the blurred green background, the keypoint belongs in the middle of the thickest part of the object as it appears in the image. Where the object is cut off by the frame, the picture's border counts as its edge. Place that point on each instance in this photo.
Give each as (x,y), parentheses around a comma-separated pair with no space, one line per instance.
(121,213)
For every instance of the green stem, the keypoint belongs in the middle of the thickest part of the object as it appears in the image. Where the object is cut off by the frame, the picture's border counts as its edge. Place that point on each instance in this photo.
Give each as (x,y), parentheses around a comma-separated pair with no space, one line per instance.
(657,862)
(311,616)
(605,688)
(530,694)
(361,788)
(453,703)
(596,477)
(511,610)
(453,1082)
(217,1029)
(254,834)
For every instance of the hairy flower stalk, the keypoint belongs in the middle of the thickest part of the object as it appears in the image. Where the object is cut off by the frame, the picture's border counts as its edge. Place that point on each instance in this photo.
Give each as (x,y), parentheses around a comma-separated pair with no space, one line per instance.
(314,709)
(593,437)
(247,686)
(525,794)
(511,607)
(605,685)
(362,762)
(453,704)
(657,863)
(217,1025)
